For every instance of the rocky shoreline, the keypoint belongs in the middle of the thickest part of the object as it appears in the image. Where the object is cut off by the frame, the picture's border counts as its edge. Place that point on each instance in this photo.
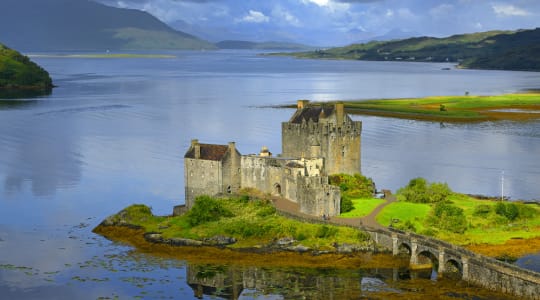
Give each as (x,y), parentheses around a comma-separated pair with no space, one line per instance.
(285,244)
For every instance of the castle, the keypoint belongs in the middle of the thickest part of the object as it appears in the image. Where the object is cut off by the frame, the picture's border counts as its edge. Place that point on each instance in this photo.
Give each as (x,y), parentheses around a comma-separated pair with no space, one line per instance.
(316,141)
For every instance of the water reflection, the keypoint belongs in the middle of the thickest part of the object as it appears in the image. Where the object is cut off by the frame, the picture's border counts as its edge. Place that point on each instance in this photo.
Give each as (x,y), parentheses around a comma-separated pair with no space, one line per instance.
(250,282)
(43,153)
(23,93)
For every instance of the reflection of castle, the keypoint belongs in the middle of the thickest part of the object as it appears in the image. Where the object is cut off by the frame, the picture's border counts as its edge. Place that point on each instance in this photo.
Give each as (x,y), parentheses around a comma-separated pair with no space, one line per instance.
(316,141)
(234,282)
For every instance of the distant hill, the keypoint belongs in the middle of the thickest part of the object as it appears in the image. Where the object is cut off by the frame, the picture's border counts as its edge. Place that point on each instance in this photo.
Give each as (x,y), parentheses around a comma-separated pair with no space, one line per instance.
(233,44)
(18,72)
(45,25)
(500,50)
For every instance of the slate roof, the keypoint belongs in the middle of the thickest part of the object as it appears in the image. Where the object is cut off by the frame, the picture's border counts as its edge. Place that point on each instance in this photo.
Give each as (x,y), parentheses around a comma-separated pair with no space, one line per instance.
(209,152)
(311,113)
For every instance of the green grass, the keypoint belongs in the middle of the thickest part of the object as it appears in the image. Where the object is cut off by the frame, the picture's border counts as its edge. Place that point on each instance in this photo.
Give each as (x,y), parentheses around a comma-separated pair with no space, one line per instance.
(473,108)
(404,211)
(253,224)
(481,229)
(362,207)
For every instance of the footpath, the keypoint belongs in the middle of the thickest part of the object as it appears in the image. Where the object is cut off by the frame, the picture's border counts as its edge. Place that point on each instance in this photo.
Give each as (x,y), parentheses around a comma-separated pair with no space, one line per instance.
(370,221)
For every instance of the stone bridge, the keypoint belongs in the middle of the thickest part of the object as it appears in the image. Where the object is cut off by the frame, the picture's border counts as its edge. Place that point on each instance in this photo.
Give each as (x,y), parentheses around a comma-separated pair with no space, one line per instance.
(453,260)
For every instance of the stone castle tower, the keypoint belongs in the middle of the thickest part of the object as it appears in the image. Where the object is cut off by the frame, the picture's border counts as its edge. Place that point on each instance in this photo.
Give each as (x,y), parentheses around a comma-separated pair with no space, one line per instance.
(317,141)
(327,132)
(211,170)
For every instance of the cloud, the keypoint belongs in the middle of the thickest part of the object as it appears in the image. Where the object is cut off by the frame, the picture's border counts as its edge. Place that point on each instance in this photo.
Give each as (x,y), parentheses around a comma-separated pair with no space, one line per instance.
(282,14)
(505,10)
(254,17)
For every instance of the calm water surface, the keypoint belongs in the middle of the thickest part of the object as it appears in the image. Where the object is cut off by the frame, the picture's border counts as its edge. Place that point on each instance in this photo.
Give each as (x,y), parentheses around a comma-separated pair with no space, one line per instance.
(115,130)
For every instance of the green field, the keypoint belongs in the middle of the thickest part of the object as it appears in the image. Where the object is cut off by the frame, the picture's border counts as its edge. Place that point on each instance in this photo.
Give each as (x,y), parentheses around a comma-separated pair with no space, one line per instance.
(485,227)
(362,207)
(404,211)
(453,108)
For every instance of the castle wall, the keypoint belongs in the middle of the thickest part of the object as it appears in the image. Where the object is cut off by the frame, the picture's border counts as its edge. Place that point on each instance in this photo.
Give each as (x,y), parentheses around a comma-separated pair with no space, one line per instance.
(201,177)
(263,173)
(338,145)
(231,172)
(316,197)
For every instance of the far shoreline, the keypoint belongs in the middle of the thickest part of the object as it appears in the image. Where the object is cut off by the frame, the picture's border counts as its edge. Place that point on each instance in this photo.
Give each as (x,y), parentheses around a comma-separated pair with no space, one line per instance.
(452,109)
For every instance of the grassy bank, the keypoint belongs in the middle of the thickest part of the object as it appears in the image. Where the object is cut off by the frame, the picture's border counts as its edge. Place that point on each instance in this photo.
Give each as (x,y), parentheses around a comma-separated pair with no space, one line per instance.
(253,223)
(466,108)
(486,230)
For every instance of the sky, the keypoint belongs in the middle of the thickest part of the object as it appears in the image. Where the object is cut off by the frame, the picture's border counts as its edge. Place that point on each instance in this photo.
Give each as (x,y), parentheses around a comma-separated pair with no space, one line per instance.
(336,22)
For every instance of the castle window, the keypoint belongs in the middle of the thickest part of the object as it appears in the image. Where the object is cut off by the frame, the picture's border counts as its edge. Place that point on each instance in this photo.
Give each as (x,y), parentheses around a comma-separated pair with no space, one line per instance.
(229,189)
(343,151)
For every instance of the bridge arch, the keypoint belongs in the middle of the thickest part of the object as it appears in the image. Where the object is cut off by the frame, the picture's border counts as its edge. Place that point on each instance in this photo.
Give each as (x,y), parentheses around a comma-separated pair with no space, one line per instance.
(453,269)
(404,249)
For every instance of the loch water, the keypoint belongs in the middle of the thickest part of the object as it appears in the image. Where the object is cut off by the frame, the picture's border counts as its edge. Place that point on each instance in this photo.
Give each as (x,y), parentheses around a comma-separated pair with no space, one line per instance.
(114,132)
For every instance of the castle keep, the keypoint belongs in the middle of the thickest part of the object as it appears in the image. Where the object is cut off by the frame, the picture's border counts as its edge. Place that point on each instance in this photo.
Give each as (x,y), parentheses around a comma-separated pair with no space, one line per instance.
(316,141)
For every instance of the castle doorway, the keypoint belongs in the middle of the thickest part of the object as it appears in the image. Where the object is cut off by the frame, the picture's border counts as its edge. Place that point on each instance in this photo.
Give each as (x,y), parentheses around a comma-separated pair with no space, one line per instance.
(277,189)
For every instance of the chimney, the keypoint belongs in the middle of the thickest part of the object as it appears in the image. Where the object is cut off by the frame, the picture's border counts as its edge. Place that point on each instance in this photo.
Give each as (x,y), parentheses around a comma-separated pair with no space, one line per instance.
(196,148)
(340,113)
(302,104)
(232,147)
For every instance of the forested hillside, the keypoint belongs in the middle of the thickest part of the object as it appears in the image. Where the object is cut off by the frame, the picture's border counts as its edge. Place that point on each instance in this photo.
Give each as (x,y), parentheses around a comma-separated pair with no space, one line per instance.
(504,50)
(18,72)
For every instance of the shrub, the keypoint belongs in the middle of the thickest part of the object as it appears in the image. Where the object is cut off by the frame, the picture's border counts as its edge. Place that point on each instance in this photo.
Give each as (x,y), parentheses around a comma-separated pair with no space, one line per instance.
(353,186)
(525,211)
(326,232)
(508,210)
(346,204)
(406,226)
(445,216)
(206,209)
(266,211)
(420,191)
(482,210)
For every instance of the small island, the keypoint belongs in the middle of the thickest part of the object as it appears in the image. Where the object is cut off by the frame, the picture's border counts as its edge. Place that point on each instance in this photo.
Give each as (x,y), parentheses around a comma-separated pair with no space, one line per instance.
(18,72)
(312,201)
(457,109)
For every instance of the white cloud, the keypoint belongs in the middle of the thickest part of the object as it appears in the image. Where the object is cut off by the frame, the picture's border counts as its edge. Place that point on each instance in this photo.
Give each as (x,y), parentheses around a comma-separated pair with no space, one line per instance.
(318,2)
(280,13)
(389,13)
(508,10)
(254,17)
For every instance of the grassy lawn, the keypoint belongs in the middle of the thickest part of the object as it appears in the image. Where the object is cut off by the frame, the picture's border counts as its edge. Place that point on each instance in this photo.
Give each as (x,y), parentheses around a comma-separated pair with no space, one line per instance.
(362,207)
(486,228)
(457,108)
(404,211)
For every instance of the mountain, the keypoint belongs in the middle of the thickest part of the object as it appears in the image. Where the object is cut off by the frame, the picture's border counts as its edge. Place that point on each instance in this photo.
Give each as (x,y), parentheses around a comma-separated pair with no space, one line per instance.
(18,72)
(394,34)
(45,25)
(502,50)
(232,44)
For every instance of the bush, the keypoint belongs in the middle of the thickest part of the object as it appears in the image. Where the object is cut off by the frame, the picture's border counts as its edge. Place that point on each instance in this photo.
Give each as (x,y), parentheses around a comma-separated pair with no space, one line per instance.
(206,209)
(346,204)
(353,186)
(482,210)
(526,212)
(508,210)
(420,191)
(447,217)
(406,226)
(326,232)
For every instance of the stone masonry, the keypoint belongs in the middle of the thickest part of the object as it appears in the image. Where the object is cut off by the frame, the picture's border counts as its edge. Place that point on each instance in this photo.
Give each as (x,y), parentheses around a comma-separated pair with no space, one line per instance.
(317,141)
